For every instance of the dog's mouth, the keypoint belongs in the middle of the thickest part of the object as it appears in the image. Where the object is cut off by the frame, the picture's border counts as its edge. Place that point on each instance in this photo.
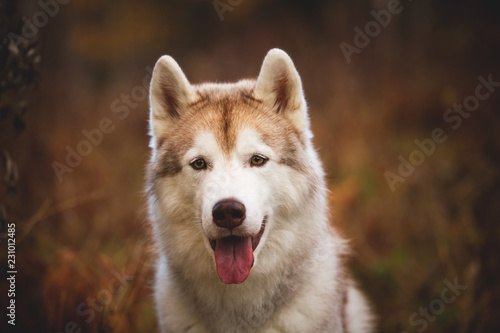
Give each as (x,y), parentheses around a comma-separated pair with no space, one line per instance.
(234,255)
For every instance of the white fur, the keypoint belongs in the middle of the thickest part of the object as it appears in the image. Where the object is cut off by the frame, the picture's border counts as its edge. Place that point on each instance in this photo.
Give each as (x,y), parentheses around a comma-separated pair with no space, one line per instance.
(296,283)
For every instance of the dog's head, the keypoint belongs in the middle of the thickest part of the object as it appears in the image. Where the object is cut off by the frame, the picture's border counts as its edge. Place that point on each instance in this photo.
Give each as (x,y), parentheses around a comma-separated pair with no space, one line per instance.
(230,163)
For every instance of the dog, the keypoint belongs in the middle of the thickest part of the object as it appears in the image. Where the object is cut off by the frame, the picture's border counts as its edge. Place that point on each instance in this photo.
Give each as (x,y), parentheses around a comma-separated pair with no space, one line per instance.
(238,209)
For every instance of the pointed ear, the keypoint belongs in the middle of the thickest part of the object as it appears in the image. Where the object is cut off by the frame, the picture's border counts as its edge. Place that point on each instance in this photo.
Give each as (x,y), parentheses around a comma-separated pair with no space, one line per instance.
(170,93)
(279,87)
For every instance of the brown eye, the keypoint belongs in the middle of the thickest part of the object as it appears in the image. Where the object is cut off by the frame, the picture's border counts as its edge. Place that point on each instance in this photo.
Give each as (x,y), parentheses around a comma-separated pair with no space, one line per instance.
(257,160)
(199,164)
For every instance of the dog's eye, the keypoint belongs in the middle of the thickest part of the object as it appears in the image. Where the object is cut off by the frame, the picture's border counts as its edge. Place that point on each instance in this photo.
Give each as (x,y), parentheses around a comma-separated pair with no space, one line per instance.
(257,160)
(199,164)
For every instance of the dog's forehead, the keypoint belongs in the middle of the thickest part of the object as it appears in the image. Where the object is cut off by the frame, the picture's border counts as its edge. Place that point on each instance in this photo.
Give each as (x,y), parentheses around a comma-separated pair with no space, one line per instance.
(248,140)
(231,118)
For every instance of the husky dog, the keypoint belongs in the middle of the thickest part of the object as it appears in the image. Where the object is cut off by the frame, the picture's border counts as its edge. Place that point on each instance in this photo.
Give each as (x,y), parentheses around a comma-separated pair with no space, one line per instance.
(237,202)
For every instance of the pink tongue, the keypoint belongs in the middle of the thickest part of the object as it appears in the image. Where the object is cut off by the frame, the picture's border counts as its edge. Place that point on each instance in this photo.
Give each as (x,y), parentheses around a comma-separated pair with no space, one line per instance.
(234,258)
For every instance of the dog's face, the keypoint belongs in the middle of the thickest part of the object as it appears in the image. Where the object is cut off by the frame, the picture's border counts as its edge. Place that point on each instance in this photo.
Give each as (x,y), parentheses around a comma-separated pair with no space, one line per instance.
(229,161)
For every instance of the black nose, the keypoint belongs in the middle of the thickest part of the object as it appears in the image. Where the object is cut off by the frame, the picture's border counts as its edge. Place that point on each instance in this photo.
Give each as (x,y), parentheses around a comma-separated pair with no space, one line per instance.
(228,213)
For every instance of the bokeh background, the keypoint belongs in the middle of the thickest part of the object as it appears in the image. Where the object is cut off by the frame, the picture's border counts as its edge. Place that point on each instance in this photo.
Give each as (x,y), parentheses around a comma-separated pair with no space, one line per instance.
(83,252)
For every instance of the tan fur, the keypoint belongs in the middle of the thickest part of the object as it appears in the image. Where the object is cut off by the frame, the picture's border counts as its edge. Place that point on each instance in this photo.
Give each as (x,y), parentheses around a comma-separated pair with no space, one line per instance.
(225,112)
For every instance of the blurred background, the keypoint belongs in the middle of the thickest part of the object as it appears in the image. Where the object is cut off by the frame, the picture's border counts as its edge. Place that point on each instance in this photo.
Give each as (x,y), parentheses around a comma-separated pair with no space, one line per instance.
(73,143)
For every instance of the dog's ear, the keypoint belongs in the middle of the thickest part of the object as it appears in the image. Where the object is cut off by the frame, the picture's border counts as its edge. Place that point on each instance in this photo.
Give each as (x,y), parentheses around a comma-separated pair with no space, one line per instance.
(279,87)
(170,94)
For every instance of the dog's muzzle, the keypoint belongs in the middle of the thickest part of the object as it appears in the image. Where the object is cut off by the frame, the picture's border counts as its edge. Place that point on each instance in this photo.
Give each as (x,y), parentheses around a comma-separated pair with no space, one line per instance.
(233,254)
